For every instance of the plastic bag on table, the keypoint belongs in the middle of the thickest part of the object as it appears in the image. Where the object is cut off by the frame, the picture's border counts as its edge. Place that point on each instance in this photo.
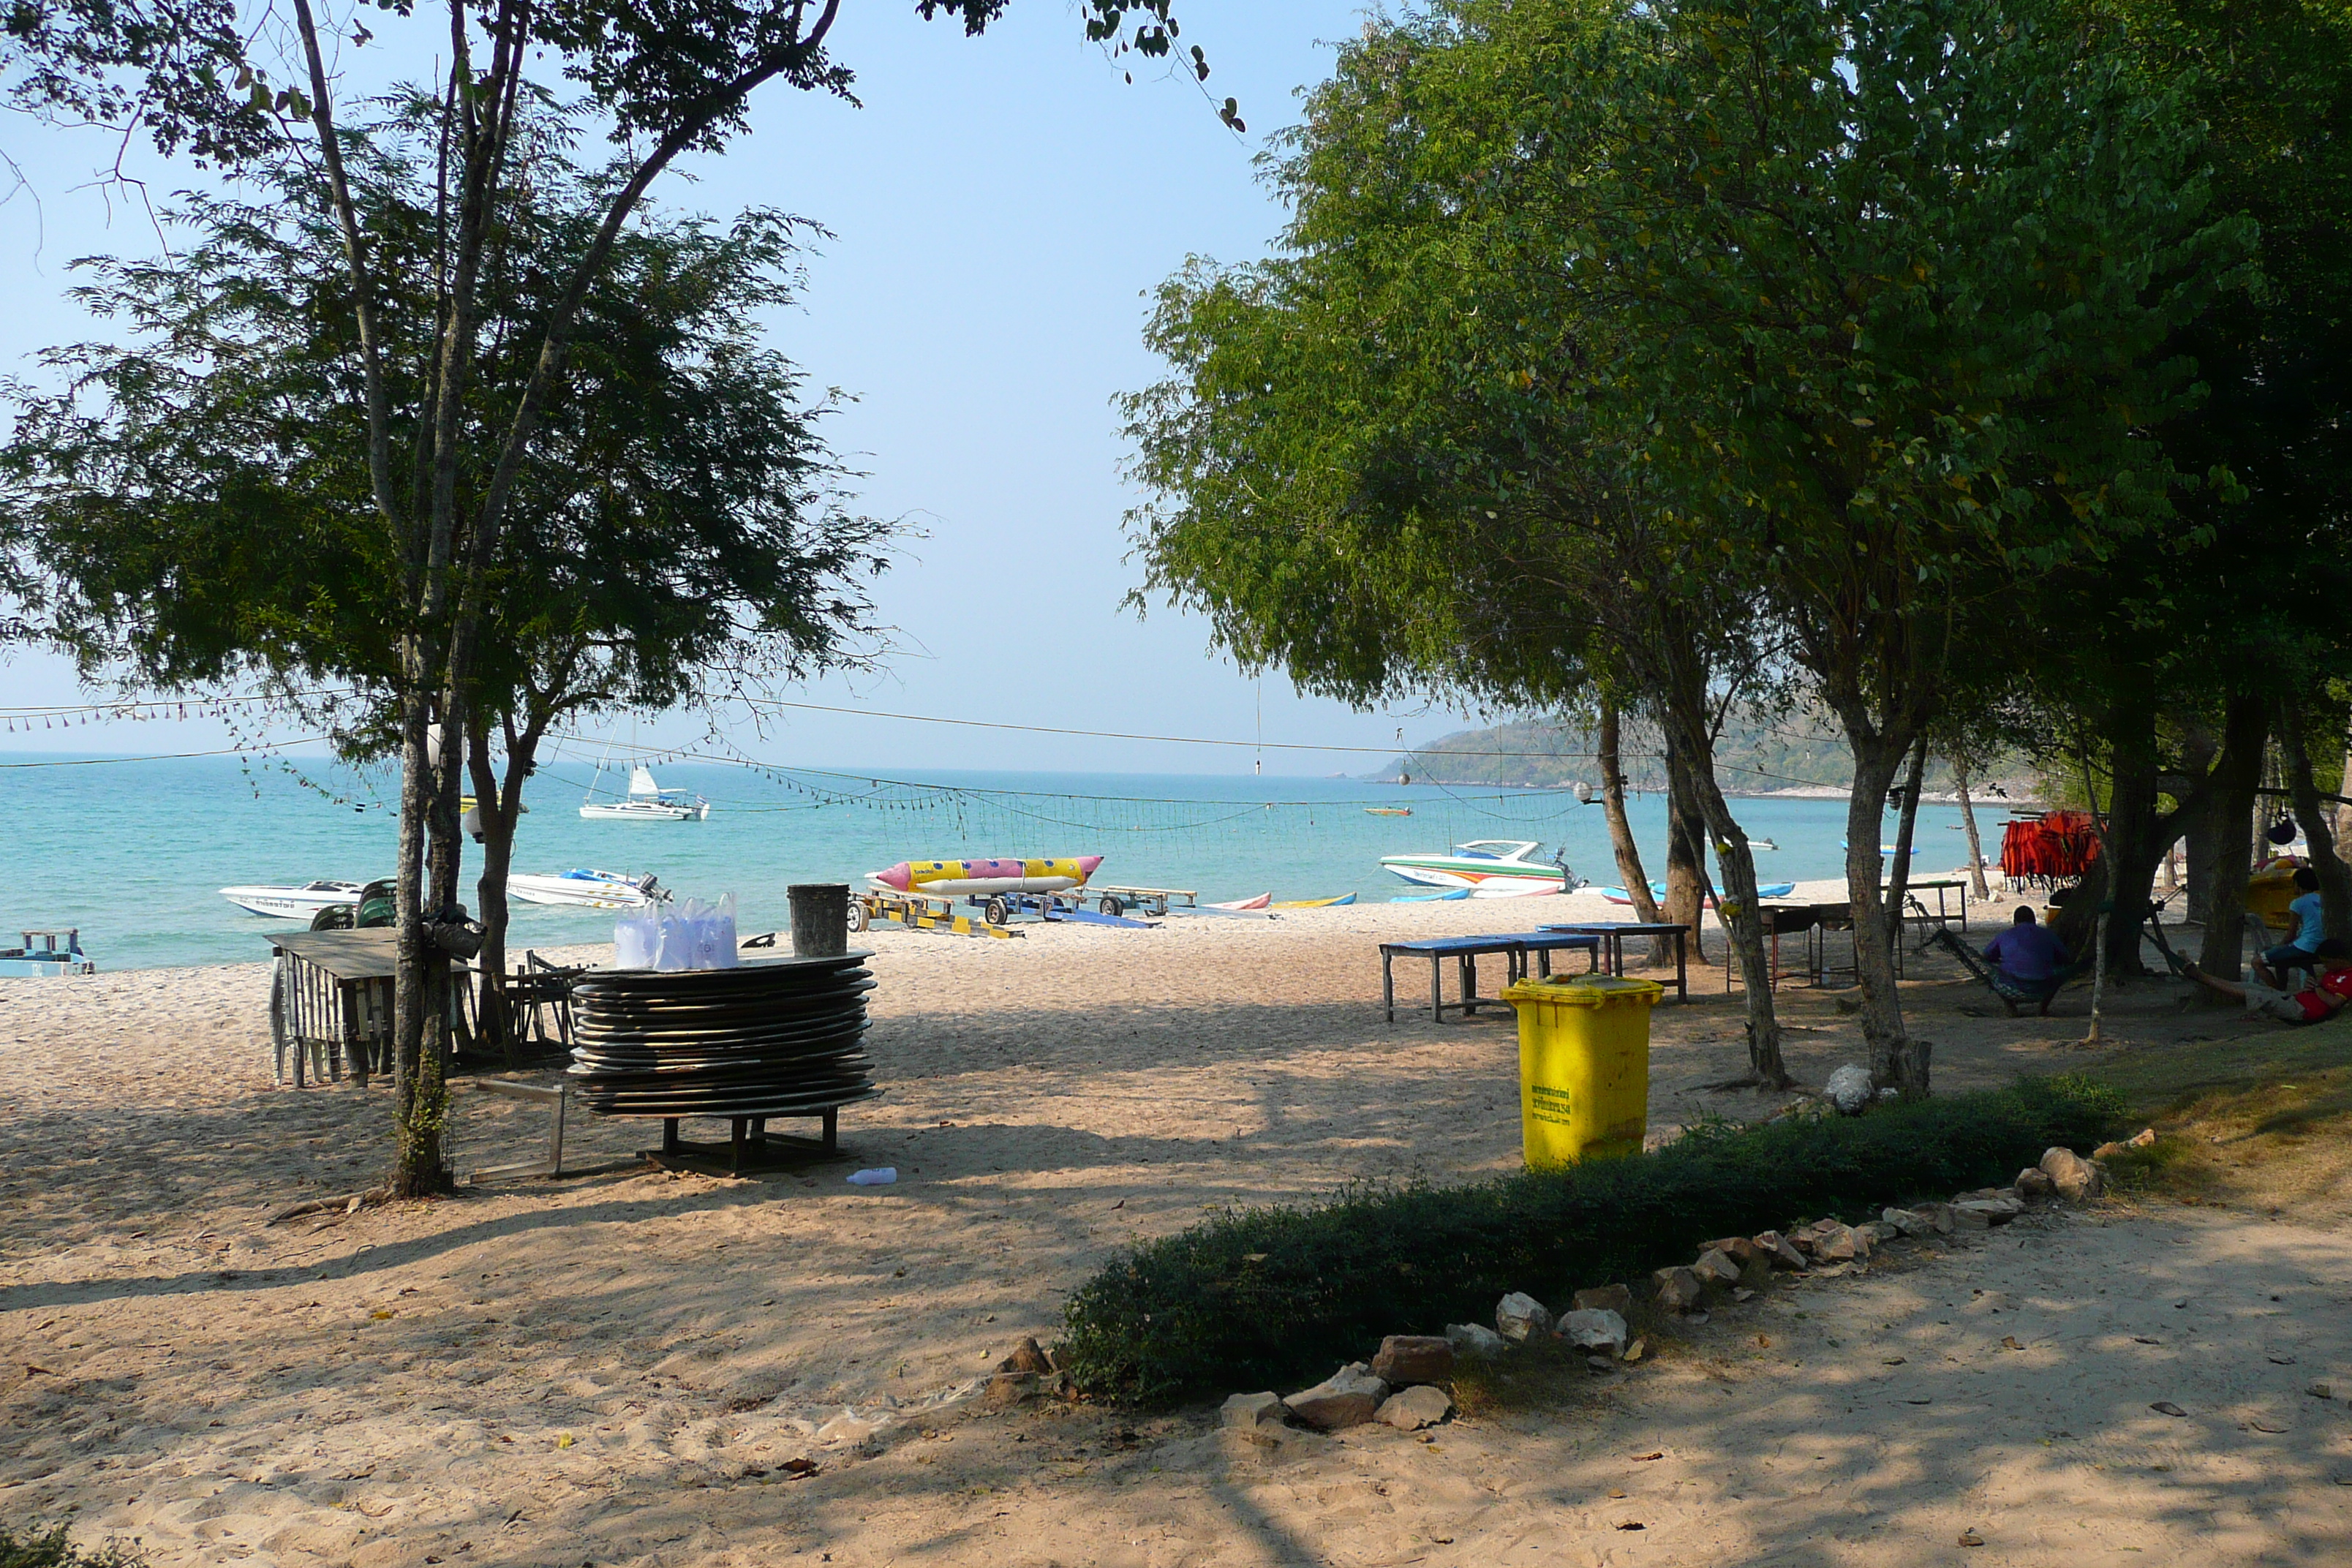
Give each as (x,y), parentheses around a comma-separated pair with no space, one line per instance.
(636,937)
(675,950)
(714,946)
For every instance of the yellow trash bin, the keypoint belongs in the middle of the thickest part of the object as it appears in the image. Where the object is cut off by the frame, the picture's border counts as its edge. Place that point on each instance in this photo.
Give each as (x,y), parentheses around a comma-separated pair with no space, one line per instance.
(2270,891)
(1584,1066)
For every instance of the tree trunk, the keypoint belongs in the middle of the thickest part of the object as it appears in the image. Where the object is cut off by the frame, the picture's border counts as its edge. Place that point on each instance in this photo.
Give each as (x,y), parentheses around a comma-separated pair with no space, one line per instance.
(1898,874)
(1897,1061)
(2229,860)
(416,1155)
(2301,724)
(1685,848)
(1628,852)
(2138,837)
(1742,910)
(2344,806)
(1977,885)
(2196,852)
(493,1019)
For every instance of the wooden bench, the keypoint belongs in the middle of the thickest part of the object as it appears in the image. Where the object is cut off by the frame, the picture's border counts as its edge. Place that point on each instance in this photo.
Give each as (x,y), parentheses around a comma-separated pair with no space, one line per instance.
(1517,948)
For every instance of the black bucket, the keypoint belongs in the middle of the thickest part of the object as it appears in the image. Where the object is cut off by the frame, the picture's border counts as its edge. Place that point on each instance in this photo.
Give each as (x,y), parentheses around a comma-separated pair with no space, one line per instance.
(820,918)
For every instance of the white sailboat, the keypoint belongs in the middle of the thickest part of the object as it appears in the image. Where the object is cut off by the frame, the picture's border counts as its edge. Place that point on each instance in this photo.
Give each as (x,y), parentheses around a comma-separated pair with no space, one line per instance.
(645,802)
(584,889)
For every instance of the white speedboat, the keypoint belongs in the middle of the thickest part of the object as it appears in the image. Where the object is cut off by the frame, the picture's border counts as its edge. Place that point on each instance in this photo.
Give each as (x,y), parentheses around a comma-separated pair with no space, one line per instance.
(292,903)
(645,802)
(587,890)
(1489,867)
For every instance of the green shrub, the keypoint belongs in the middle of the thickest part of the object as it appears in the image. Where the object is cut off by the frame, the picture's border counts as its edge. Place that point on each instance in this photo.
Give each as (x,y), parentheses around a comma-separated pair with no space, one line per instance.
(1273,1297)
(51,1549)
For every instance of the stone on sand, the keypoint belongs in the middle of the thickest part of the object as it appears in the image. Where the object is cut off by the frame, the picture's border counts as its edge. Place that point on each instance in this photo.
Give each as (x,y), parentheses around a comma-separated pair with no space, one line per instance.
(1678,1289)
(1475,1340)
(1617,1298)
(1776,1251)
(1518,1315)
(1026,1357)
(1594,1328)
(1836,1243)
(1716,1268)
(1413,1358)
(2033,1182)
(1849,1090)
(1415,1407)
(1251,1411)
(1740,1249)
(2077,1179)
(1349,1397)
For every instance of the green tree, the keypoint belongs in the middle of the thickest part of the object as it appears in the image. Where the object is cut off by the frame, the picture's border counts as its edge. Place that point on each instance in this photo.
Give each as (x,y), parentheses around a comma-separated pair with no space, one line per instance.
(667,80)
(1890,287)
(1380,463)
(198,510)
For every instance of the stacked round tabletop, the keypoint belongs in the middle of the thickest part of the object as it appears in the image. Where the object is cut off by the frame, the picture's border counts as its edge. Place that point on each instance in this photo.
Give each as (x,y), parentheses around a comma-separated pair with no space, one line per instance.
(775,1037)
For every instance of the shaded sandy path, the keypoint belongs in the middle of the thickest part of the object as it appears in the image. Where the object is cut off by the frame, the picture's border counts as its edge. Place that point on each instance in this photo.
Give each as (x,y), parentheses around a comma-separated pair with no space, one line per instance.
(401,1383)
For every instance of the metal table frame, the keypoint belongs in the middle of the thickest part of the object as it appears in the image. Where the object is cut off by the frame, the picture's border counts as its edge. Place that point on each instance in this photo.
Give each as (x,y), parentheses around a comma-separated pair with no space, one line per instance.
(1613,935)
(1517,948)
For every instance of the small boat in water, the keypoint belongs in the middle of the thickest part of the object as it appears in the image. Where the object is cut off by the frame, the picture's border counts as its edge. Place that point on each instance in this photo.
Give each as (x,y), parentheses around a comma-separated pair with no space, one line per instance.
(291,903)
(1658,890)
(588,890)
(645,802)
(1491,865)
(1388,811)
(44,951)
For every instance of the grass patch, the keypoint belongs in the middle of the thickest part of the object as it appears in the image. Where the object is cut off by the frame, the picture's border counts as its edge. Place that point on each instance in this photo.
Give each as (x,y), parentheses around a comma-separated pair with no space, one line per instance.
(51,1549)
(2261,1119)
(1275,1298)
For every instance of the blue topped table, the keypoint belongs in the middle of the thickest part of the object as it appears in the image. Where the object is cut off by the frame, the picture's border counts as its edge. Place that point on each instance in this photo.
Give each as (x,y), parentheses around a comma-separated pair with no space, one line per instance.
(1613,935)
(1517,948)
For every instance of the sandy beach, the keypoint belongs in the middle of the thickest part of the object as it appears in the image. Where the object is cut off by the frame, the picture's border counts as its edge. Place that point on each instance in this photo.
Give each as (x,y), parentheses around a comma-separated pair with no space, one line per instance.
(616,1368)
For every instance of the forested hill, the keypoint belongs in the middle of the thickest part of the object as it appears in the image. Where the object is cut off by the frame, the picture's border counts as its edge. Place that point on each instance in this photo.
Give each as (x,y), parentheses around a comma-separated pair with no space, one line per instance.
(1751,758)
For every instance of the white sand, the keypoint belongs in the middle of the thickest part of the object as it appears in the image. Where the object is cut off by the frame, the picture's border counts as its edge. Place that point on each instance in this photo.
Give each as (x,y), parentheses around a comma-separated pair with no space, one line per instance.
(401,1386)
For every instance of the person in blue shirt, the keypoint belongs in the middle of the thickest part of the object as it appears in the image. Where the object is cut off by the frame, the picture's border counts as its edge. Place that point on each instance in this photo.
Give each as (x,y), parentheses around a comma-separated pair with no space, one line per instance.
(2301,952)
(2028,952)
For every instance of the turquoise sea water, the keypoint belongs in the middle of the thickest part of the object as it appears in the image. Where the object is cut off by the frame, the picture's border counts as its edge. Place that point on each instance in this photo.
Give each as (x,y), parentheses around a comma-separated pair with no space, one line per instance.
(134,853)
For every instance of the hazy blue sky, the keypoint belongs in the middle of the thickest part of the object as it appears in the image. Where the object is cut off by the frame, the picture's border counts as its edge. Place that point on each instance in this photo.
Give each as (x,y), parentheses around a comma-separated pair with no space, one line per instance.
(1001,205)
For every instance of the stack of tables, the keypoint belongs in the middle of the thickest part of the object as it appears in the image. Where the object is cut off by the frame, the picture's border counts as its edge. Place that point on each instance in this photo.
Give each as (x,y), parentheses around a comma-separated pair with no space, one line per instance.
(773,1038)
(1517,948)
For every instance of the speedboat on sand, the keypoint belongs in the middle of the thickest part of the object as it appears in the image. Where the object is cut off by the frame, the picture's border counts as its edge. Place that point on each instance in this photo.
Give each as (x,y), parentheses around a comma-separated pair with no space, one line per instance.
(1487,867)
(587,890)
(291,903)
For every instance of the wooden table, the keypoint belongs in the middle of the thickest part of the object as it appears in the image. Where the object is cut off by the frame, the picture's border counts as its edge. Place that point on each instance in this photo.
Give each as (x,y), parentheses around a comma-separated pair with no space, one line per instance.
(1517,948)
(1814,922)
(330,1001)
(1613,935)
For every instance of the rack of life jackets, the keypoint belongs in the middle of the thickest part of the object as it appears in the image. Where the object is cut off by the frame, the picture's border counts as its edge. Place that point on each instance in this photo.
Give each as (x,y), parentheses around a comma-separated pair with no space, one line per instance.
(2048,850)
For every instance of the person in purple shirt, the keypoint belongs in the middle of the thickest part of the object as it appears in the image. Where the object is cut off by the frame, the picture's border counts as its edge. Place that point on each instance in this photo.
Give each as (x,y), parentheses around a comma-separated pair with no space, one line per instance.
(2028,952)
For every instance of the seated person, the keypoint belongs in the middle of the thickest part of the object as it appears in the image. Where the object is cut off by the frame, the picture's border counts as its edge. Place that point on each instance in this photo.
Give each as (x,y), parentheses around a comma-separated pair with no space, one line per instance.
(2028,953)
(2311,928)
(2330,989)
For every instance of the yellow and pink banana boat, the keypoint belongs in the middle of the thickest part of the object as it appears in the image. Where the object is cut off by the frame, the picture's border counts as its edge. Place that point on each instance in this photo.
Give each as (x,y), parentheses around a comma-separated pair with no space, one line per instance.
(984,878)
